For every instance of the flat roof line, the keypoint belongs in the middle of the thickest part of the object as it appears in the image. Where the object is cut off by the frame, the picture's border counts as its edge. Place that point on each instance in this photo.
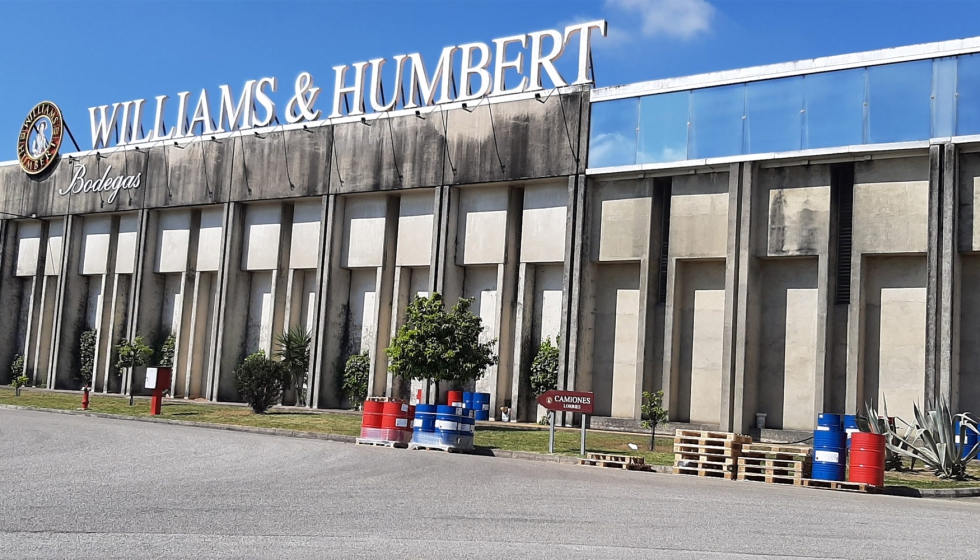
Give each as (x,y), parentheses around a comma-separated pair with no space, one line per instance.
(786,69)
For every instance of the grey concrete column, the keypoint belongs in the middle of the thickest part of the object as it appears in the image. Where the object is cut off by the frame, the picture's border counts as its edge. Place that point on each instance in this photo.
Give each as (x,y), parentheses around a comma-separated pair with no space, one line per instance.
(949,281)
(575,348)
(747,312)
(520,397)
(117,320)
(316,334)
(36,314)
(399,300)
(10,294)
(70,308)
(143,244)
(150,288)
(233,292)
(104,315)
(934,272)
(649,295)
(332,319)
(280,277)
(732,258)
(384,288)
(181,378)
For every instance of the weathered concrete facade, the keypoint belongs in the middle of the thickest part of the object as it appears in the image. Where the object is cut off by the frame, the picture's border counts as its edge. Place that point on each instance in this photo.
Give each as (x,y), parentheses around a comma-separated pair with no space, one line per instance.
(783,284)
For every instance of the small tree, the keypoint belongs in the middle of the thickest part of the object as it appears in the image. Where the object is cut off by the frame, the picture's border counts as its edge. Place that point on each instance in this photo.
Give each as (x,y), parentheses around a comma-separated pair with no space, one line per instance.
(436,345)
(654,412)
(544,369)
(167,351)
(17,377)
(294,351)
(86,355)
(355,384)
(131,354)
(260,381)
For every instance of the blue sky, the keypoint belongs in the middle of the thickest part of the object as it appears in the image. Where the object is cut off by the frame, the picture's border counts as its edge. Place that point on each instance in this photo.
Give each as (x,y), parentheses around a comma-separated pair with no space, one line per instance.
(81,54)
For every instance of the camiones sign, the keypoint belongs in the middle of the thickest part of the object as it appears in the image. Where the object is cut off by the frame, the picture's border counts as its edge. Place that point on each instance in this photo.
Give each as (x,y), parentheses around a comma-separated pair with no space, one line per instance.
(357,87)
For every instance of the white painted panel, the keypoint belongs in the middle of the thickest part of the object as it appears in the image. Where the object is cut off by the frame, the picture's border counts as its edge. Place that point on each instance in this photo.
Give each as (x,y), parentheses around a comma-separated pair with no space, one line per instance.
(543,224)
(305,241)
(415,229)
(547,302)
(480,284)
(96,233)
(28,248)
(901,353)
(419,283)
(262,224)
(308,315)
(698,225)
(172,303)
(706,359)
(624,353)
(363,283)
(56,237)
(800,361)
(482,226)
(364,232)
(624,229)
(126,244)
(258,334)
(173,240)
(93,303)
(209,240)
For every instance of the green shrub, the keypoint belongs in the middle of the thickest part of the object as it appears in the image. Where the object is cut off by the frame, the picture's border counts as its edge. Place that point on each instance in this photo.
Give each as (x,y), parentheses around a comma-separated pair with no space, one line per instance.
(294,351)
(544,369)
(167,350)
(355,384)
(133,353)
(260,381)
(17,377)
(86,355)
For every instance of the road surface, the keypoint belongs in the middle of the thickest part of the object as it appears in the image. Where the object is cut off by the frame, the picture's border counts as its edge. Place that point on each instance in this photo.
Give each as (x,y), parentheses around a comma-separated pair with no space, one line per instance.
(84,487)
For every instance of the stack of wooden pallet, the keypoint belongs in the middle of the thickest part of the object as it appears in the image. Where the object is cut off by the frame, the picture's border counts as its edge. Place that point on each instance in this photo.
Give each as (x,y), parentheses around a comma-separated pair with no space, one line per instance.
(627,462)
(775,464)
(708,453)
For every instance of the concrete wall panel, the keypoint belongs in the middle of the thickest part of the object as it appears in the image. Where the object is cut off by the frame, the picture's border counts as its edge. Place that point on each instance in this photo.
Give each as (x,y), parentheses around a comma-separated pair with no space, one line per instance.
(305,241)
(891,210)
(616,318)
(28,248)
(543,223)
(621,223)
(173,241)
(364,232)
(209,240)
(482,230)
(96,234)
(56,238)
(262,229)
(415,219)
(126,244)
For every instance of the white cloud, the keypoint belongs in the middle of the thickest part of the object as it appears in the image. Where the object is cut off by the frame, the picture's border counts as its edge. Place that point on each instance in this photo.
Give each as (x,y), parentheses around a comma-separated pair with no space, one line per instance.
(672,18)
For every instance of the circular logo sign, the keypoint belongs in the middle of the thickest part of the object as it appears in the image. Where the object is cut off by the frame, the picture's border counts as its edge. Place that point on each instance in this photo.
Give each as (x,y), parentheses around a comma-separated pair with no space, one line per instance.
(40,138)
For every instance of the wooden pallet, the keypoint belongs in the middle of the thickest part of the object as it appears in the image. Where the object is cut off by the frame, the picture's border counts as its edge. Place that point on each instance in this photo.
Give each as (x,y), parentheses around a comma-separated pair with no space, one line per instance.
(614,465)
(727,436)
(795,480)
(381,443)
(628,459)
(772,449)
(436,447)
(840,485)
(701,458)
(773,464)
(705,472)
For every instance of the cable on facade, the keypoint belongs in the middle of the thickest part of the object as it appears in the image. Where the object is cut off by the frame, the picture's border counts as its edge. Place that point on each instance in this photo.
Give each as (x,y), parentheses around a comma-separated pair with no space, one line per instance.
(285,155)
(394,156)
(204,168)
(493,130)
(564,119)
(241,142)
(445,139)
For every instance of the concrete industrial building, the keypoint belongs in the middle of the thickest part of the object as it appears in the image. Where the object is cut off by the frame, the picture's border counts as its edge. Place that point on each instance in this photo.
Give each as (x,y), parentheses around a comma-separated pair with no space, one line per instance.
(785,240)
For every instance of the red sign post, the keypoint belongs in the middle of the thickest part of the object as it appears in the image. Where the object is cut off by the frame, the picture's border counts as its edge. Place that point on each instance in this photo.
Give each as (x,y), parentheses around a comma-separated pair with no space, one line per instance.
(567,401)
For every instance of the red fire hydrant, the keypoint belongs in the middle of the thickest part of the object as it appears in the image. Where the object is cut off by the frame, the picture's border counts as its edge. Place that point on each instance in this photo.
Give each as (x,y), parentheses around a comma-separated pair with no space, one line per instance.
(85,398)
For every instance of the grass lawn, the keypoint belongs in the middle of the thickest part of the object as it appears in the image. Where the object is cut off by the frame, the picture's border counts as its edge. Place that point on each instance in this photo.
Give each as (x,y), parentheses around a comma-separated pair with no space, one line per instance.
(496,436)
(922,479)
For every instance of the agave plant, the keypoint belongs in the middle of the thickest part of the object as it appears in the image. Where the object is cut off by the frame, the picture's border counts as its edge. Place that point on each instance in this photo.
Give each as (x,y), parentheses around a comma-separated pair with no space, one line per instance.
(874,423)
(934,441)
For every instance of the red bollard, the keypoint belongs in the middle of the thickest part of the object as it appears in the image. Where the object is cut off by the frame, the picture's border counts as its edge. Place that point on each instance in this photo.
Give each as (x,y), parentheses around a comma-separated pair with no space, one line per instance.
(85,398)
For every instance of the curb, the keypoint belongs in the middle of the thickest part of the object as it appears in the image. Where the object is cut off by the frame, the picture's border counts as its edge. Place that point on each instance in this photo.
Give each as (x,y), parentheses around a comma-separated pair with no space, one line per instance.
(931,493)
(482,452)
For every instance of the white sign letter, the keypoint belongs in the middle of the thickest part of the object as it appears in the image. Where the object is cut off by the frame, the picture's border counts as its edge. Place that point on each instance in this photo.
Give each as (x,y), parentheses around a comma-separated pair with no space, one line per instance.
(468,69)
(502,64)
(230,113)
(421,90)
(547,61)
(102,129)
(159,132)
(265,101)
(340,92)
(202,114)
(377,65)
(584,44)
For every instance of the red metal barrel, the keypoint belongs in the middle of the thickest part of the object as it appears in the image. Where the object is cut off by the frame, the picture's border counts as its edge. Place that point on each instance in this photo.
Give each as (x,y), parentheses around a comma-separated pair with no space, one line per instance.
(373,411)
(454,398)
(396,416)
(867,459)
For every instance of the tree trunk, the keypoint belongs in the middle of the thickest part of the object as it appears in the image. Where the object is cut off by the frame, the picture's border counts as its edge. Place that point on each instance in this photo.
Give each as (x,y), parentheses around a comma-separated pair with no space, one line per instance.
(653,438)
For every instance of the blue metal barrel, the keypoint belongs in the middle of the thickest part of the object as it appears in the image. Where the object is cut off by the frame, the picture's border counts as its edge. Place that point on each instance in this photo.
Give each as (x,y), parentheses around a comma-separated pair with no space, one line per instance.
(971,439)
(829,454)
(828,421)
(425,418)
(481,404)
(467,425)
(447,424)
(467,400)
(850,426)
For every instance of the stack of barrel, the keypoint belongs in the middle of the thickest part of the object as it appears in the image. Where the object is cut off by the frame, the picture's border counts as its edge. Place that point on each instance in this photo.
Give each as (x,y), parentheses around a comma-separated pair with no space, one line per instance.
(444,426)
(829,448)
(479,403)
(833,442)
(387,421)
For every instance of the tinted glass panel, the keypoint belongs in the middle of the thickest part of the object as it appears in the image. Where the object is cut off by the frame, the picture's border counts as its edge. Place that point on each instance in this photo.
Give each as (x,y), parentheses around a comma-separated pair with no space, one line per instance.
(968,95)
(612,137)
(943,97)
(899,107)
(716,121)
(663,127)
(834,113)
(775,118)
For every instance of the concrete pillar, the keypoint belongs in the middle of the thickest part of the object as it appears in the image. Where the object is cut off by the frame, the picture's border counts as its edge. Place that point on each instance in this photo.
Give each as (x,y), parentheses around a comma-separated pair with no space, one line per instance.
(143,243)
(220,281)
(332,318)
(384,290)
(104,315)
(10,294)
(117,318)
(524,348)
(949,281)
(649,293)
(182,372)
(70,308)
(934,272)
(316,333)
(36,315)
(233,290)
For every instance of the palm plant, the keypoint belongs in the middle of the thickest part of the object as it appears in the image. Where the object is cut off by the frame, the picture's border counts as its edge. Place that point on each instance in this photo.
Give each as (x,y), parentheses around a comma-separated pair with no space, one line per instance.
(934,441)
(294,351)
